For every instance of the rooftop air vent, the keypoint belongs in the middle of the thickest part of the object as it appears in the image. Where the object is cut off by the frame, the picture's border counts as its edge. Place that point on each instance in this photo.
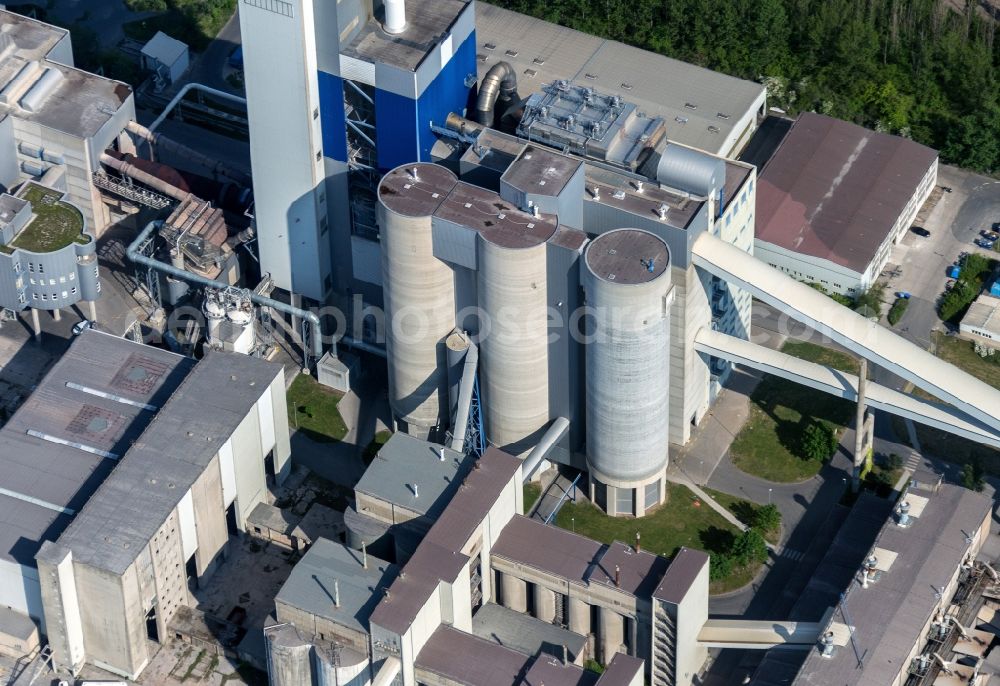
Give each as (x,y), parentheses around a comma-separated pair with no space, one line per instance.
(539,61)
(511,53)
(713,129)
(592,77)
(681,120)
(531,73)
(627,86)
(690,106)
(722,115)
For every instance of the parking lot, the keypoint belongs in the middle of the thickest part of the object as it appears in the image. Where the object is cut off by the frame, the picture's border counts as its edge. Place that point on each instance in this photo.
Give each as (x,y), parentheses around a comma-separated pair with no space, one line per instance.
(954,223)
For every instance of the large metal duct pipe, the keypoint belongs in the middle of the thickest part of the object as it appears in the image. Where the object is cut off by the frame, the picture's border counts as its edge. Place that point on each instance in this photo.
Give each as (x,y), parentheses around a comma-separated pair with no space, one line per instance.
(137,257)
(170,145)
(419,292)
(553,435)
(500,83)
(144,177)
(626,279)
(194,87)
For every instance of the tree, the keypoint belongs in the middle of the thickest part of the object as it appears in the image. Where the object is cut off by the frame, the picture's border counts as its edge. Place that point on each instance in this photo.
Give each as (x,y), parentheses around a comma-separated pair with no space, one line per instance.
(720,566)
(766,518)
(972,475)
(749,547)
(818,441)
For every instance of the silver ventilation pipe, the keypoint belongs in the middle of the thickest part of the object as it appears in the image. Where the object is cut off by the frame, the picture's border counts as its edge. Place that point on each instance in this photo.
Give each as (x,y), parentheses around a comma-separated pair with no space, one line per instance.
(500,83)
(553,435)
(137,257)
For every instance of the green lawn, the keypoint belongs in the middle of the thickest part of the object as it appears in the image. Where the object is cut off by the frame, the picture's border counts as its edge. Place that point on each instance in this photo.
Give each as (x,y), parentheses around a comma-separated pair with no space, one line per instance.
(820,354)
(312,409)
(769,444)
(962,354)
(371,450)
(683,520)
(742,509)
(532,492)
(56,224)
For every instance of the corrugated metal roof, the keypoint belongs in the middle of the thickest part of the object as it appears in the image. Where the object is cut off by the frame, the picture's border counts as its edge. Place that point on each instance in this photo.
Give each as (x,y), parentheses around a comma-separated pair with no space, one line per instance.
(889,615)
(64,476)
(543,52)
(834,190)
(524,633)
(132,504)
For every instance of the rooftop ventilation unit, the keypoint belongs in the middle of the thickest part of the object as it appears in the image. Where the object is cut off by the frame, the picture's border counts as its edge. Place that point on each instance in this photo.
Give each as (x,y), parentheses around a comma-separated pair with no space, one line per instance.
(35,98)
(826,645)
(903,514)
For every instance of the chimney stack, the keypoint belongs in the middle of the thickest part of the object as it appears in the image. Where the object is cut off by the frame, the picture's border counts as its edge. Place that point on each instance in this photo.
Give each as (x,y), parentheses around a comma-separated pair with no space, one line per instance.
(336,593)
(364,555)
(618,575)
(638,545)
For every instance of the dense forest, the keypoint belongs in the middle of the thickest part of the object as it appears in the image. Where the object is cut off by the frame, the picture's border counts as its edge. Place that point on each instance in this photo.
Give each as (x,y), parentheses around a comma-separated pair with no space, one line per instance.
(926,69)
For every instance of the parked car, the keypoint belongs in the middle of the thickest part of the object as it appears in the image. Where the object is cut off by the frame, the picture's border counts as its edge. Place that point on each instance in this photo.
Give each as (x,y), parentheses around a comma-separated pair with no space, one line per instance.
(991,236)
(983,243)
(949,285)
(236,58)
(920,231)
(82,326)
(903,295)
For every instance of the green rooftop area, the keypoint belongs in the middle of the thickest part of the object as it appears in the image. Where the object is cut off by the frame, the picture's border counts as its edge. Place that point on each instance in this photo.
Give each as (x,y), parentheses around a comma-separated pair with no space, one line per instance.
(55,224)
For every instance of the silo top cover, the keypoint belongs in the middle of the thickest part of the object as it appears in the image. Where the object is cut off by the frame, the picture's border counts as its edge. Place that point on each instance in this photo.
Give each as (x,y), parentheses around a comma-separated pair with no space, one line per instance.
(628,256)
(499,222)
(457,341)
(416,190)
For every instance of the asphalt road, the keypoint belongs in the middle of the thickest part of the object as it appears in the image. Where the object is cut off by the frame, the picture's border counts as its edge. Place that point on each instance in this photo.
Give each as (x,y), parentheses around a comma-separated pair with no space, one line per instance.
(210,67)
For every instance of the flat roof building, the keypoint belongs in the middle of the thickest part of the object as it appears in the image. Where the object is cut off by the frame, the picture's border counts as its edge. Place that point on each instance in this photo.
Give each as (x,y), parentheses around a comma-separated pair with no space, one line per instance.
(920,575)
(981,323)
(55,120)
(701,108)
(123,472)
(835,197)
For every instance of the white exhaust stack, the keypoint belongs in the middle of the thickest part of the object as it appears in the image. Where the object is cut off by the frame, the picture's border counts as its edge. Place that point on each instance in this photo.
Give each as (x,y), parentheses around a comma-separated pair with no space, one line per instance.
(395,16)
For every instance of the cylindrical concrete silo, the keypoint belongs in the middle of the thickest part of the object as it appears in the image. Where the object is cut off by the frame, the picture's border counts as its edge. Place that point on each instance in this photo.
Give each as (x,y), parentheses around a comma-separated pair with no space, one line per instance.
(626,279)
(419,292)
(338,665)
(514,334)
(289,657)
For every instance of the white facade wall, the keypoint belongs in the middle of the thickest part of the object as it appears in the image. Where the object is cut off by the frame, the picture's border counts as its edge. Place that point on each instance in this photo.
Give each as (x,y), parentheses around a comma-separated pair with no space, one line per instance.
(837,278)
(286,151)
(249,467)
(20,591)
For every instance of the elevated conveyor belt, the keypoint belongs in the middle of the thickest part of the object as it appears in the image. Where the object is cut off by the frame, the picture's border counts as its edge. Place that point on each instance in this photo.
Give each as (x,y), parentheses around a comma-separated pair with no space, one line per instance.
(759,635)
(856,333)
(844,385)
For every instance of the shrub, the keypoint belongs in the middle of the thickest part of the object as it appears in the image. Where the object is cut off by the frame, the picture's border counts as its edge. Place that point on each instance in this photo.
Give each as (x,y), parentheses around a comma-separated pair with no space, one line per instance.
(972,475)
(897,310)
(750,547)
(894,462)
(818,441)
(720,566)
(766,518)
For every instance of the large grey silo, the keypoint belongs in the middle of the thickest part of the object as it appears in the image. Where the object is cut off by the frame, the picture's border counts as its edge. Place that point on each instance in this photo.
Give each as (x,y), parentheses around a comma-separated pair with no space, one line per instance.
(514,349)
(626,281)
(419,292)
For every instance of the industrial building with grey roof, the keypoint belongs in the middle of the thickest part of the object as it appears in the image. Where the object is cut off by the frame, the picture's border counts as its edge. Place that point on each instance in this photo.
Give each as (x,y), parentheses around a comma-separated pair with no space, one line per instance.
(119,469)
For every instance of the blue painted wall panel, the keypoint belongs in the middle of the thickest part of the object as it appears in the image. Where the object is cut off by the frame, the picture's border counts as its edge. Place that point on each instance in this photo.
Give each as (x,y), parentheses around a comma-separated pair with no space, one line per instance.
(331,107)
(446,93)
(403,125)
(395,129)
